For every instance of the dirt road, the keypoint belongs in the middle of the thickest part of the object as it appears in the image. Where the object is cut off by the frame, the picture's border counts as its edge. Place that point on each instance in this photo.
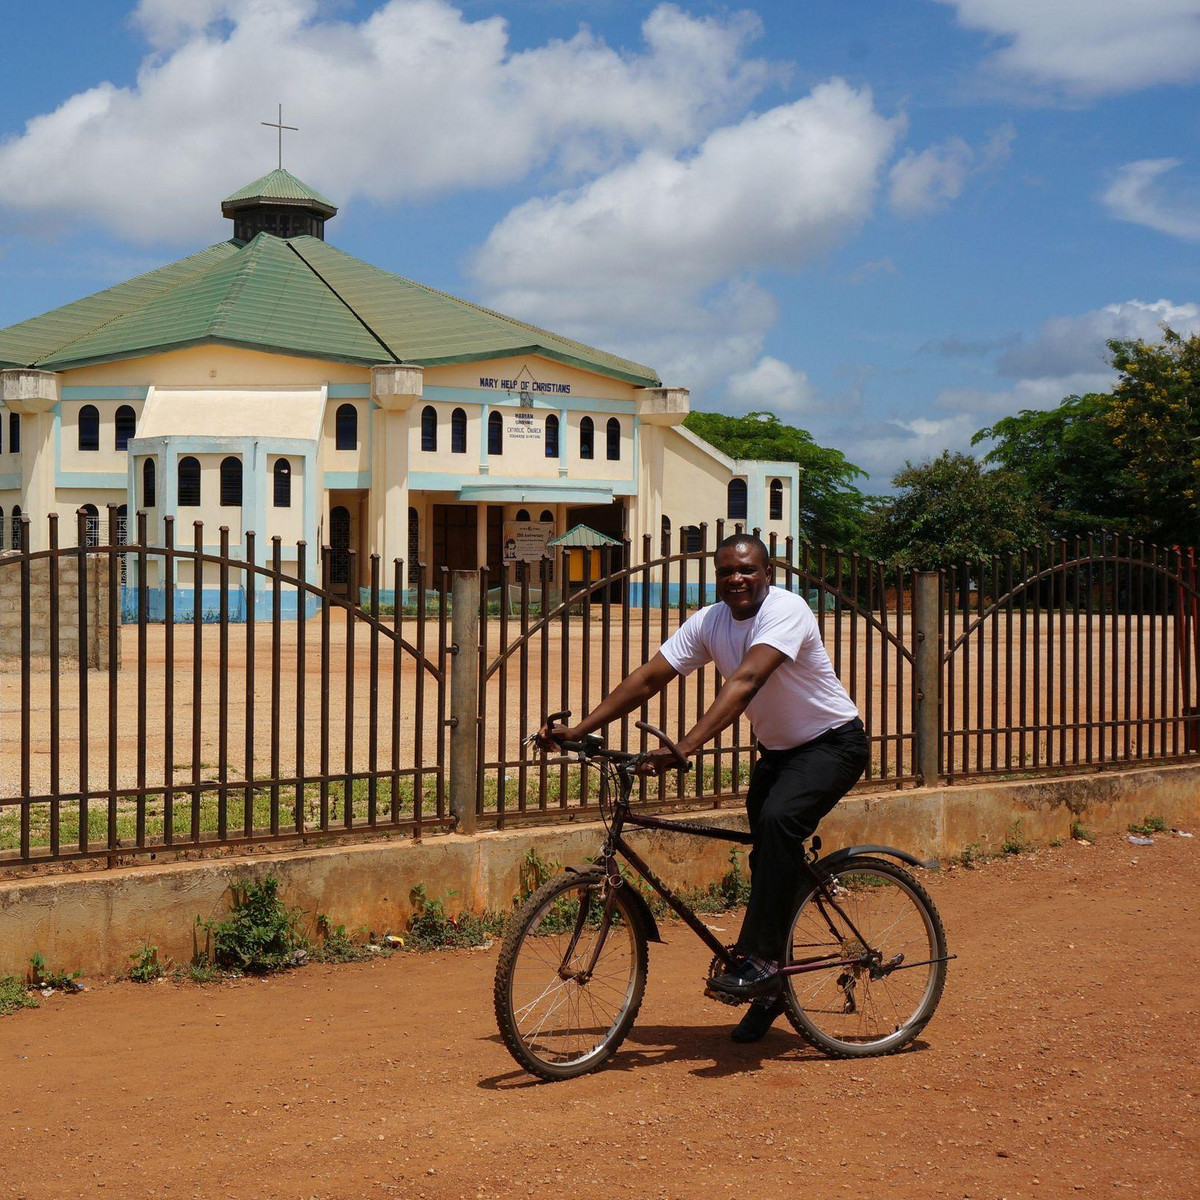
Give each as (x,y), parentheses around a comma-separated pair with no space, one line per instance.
(1062,1063)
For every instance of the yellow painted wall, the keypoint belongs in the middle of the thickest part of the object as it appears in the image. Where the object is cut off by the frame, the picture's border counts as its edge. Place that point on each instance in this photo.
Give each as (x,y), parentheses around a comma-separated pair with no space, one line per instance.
(108,457)
(442,459)
(285,523)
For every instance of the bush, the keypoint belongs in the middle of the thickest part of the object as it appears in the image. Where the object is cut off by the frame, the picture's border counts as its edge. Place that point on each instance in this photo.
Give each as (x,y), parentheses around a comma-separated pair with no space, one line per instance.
(14,994)
(261,933)
(431,925)
(146,967)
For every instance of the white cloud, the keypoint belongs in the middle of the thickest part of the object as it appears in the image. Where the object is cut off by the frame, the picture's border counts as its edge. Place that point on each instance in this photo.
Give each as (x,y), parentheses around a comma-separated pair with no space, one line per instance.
(1075,344)
(1132,196)
(773,385)
(412,100)
(927,181)
(883,448)
(1103,47)
(656,256)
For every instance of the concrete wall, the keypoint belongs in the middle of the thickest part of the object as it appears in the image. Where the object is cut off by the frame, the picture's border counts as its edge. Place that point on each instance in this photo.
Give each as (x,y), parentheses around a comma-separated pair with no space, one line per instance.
(94,921)
(68,600)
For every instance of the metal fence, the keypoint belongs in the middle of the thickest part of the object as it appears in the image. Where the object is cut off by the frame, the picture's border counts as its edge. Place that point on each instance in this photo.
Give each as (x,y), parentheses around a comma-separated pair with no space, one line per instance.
(222,697)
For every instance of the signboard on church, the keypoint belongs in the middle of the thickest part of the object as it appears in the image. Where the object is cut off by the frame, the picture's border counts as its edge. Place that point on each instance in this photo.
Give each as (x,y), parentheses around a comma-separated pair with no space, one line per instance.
(523,426)
(525,541)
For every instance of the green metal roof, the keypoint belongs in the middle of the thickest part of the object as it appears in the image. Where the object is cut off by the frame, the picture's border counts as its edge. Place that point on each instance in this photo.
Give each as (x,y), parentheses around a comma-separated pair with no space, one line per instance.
(289,296)
(583,535)
(278,185)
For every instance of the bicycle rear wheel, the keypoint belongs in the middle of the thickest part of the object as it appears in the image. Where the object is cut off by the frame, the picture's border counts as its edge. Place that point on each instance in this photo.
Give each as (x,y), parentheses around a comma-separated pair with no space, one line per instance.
(879,1006)
(557,1019)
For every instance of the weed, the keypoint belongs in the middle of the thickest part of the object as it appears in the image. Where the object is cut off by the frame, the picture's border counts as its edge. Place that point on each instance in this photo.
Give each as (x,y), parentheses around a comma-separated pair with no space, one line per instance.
(197,972)
(431,925)
(972,854)
(146,965)
(14,994)
(1056,842)
(40,976)
(1014,840)
(1080,833)
(261,933)
(1148,826)
(335,945)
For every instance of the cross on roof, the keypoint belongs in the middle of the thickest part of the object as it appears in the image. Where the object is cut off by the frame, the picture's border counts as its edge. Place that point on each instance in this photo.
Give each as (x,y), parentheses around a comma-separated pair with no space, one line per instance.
(278,124)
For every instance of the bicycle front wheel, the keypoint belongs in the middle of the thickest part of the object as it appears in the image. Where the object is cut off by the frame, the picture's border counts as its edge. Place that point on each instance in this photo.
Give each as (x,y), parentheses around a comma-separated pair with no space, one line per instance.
(876,912)
(568,989)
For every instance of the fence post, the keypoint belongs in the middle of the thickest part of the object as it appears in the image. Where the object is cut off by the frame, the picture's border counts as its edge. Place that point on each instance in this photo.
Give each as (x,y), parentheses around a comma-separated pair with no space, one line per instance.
(927,666)
(464,697)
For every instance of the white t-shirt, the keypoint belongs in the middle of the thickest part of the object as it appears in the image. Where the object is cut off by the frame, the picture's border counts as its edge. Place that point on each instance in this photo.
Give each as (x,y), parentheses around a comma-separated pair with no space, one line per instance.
(802,699)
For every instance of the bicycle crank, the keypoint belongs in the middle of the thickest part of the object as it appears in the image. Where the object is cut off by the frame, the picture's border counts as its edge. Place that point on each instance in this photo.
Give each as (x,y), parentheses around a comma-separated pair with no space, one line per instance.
(717,967)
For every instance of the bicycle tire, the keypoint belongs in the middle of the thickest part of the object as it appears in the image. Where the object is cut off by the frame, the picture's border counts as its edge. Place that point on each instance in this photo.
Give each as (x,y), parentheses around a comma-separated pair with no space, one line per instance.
(589,1020)
(812,1000)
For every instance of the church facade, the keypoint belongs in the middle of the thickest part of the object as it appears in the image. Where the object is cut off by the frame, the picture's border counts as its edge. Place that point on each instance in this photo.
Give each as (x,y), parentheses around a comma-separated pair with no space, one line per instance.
(274,383)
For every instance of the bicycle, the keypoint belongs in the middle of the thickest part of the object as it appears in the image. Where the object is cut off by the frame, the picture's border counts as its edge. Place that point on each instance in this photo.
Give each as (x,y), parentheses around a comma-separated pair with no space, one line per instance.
(572,970)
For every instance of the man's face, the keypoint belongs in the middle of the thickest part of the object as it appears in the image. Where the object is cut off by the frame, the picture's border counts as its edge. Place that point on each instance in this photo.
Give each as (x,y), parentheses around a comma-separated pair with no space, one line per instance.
(742,579)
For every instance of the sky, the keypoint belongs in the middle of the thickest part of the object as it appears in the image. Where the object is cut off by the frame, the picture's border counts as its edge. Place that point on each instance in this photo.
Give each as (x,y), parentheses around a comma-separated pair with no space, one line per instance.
(890,222)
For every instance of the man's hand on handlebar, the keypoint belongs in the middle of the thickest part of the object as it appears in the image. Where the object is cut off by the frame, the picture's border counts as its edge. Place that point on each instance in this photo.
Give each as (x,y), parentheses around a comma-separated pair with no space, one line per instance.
(551,735)
(660,759)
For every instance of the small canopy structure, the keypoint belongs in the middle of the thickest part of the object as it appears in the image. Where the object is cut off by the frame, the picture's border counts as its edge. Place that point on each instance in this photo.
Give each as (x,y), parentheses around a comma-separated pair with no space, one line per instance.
(583,536)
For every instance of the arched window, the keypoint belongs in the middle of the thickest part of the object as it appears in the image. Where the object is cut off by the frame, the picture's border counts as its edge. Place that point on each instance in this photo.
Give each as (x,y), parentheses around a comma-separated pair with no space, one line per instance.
(776,508)
(14,433)
(231,482)
(666,534)
(587,438)
(551,436)
(547,515)
(346,427)
(17,540)
(283,483)
(414,548)
(735,509)
(522,514)
(91,524)
(691,539)
(124,426)
(122,527)
(613,431)
(428,428)
(495,434)
(89,428)
(458,432)
(1,528)
(149,490)
(339,545)
(189,482)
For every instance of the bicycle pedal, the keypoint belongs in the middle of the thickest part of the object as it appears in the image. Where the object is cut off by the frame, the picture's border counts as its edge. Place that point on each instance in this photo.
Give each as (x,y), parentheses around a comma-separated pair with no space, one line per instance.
(732,1001)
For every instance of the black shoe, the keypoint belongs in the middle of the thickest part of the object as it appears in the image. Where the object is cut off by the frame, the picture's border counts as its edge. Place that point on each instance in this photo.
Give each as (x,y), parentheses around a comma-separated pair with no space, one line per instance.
(751,977)
(758,1019)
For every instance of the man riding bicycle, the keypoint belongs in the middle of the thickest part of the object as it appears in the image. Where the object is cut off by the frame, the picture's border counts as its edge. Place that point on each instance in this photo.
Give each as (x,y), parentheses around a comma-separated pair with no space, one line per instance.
(812,747)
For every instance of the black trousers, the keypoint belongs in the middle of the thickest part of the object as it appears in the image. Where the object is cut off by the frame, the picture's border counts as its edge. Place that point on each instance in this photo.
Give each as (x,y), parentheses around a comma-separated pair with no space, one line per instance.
(790,791)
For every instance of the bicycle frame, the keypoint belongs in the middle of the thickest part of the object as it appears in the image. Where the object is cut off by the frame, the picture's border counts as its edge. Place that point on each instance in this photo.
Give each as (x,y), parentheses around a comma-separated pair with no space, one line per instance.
(615,844)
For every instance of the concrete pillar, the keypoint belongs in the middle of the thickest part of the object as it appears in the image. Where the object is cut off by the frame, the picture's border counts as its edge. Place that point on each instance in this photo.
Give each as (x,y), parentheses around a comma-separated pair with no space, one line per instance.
(464,699)
(927,668)
(35,395)
(395,389)
(481,519)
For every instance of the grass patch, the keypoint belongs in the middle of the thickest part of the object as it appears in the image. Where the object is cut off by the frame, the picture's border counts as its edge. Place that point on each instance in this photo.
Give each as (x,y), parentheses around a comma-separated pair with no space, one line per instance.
(15,994)
(432,926)
(1081,833)
(44,977)
(1148,826)
(335,945)
(972,854)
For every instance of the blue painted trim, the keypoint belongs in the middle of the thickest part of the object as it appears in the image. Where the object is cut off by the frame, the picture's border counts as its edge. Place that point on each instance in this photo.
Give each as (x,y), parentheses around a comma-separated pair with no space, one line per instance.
(345,480)
(484,413)
(562,441)
(92,479)
(85,392)
(496,397)
(349,391)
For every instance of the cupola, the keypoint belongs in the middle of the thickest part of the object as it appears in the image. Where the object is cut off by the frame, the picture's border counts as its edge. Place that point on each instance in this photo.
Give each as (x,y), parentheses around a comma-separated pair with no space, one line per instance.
(279,204)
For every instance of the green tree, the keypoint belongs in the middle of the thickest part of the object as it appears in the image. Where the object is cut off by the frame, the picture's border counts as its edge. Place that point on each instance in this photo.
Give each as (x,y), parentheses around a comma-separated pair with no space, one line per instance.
(1069,458)
(950,511)
(832,508)
(1155,424)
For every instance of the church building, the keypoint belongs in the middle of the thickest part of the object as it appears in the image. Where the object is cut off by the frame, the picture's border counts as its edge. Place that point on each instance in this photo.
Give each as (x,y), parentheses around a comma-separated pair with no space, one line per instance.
(274,383)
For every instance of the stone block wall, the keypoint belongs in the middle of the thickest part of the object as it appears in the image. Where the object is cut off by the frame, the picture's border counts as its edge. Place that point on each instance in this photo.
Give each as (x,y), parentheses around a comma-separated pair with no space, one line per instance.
(98,629)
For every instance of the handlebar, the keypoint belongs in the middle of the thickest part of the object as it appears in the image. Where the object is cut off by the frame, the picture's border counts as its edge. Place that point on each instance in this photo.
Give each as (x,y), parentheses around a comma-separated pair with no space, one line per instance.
(593,746)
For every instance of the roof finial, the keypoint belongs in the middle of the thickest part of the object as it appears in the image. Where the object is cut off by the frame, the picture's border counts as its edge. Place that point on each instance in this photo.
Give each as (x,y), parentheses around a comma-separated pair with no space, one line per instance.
(278,124)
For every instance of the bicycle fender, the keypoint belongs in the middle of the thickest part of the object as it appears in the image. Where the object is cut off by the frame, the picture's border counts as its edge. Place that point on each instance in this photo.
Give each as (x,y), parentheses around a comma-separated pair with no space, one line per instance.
(641,909)
(839,856)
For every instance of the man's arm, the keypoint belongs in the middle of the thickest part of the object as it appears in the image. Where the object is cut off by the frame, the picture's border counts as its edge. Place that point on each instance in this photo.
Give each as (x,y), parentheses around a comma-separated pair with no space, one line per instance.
(633,691)
(736,692)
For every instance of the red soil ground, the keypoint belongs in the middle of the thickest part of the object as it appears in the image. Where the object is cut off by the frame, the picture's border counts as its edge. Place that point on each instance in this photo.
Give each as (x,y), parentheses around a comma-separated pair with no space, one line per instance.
(1062,1063)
